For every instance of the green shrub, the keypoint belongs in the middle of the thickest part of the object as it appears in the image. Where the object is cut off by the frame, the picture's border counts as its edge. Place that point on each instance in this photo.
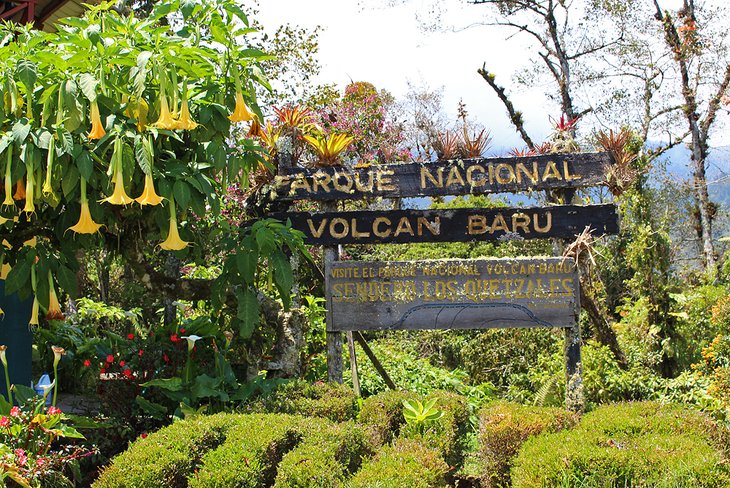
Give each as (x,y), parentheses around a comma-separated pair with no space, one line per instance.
(633,444)
(325,458)
(166,457)
(332,401)
(448,434)
(253,448)
(408,462)
(382,414)
(504,427)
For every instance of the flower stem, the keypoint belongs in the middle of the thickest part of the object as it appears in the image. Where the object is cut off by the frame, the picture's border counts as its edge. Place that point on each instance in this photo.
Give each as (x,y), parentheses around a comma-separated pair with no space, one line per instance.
(55,386)
(7,384)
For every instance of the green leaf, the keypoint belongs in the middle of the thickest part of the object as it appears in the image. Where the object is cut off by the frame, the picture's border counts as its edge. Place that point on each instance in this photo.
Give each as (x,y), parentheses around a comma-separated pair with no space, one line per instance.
(70,432)
(247,262)
(187,7)
(283,276)
(170,384)
(20,131)
(26,72)
(155,409)
(144,158)
(247,311)
(66,141)
(85,165)
(67,280)
(88,86)
(181,190)
(24,394)
(18,277)
(207,386)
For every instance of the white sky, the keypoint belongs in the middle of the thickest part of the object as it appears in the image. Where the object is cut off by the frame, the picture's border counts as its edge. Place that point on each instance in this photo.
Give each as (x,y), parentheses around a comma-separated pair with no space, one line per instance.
(385,46)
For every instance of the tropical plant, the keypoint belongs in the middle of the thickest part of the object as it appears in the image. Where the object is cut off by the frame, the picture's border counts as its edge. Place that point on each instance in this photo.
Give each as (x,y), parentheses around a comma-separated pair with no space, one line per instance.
(421,415)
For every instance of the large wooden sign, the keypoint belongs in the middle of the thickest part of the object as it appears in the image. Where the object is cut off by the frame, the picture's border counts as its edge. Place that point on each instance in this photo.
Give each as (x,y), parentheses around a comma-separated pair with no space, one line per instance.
(452,294)
(452,225)
(455,177)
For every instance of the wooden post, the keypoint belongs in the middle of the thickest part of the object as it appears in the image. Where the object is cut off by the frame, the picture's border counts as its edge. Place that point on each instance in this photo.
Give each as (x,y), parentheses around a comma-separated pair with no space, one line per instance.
(369,353)
(334,338)
(353,364)
(574,398)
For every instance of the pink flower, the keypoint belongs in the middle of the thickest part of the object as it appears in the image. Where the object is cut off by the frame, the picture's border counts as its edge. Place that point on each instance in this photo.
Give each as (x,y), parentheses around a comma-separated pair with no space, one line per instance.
(54,410)
(22,458)
(140,353)
(4,421)
(15,412)
(165,357)
(110,358)
(87,363)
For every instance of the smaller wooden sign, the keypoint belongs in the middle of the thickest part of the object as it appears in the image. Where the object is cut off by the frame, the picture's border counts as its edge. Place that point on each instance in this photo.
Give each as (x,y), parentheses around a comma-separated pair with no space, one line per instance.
(452,177)
(452,225)
(452,294)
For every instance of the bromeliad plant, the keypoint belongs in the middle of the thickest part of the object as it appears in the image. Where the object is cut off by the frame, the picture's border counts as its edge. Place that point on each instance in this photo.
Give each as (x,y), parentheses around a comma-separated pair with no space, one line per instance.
(421,415)
(116,132)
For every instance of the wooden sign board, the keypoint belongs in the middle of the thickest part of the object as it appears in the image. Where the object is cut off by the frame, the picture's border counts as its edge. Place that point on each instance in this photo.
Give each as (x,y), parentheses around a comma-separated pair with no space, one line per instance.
(454,177)
(451,225)
(452,294)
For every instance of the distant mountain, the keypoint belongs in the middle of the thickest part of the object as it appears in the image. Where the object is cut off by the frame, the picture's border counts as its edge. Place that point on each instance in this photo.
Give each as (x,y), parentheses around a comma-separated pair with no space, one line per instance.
(718,171)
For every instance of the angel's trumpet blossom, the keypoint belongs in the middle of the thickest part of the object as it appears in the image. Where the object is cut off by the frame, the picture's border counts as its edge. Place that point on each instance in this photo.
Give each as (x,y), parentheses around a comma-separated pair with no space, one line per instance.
(8,181)
(173,241)
(165,121)
(149,197)
(34,313)
(86,224)
(19,190)
(29,190)
(97,128)
(241,112)
(54,308)
(119,195)
(137,108)
(47,184)
(186,122)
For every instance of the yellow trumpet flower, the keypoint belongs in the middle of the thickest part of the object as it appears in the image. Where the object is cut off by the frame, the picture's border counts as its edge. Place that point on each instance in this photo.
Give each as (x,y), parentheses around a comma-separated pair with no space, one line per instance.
(54,308)
(241,112)
(97,128)
(173,241)
(86,224)
(34,313)
(186,122)
(19,190)
(29,191)
(8,181)
(137,108)
(165,121)
(119,195)
(149,197)
(47,185)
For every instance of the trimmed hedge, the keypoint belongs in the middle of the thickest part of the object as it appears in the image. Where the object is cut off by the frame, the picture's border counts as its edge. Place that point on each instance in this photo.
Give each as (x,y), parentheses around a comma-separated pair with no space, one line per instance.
(632,444)
(408,462)
(326,458)
(251,452)
(332,401)
(448,434)
(505,426)
(382,414)
(166,457)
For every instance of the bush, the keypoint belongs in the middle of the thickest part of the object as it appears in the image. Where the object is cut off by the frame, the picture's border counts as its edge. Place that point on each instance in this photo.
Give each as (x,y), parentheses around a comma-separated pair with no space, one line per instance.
(326,458)
(448,434)
(382,414)
(632,444)
(251,452)
(332,401)
(504,427)
(408,462)
(166,457)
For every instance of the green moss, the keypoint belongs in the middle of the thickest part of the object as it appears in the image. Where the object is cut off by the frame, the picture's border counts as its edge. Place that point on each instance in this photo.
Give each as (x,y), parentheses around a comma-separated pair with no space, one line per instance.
(251,452)
(332,401)
(166,457)
(504,427)
(635,444)
(382,414)
(325,458)
(408,462)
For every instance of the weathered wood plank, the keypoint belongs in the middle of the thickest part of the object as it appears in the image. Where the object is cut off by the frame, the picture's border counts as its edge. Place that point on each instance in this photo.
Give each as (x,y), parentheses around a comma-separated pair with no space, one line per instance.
(452,225)
(455,177)
(452,294)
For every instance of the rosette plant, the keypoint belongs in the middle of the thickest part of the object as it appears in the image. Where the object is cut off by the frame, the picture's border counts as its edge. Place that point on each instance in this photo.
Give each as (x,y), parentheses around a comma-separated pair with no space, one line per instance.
(116,132)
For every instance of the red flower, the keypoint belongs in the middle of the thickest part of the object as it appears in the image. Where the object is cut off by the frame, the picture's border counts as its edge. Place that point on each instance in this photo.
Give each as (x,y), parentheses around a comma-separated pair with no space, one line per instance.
(4,421)
(174,338)
(87,363)
(140,353)
(182,331)
(22,458)
(110,359)
(143,435)
(128,373)
(165,358)
(53,410)
(102,371)
(122,363)
(15,412)
(130,336)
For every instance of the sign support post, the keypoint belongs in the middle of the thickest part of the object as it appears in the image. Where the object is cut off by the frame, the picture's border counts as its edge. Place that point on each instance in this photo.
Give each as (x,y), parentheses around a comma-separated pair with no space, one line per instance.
(333,338)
